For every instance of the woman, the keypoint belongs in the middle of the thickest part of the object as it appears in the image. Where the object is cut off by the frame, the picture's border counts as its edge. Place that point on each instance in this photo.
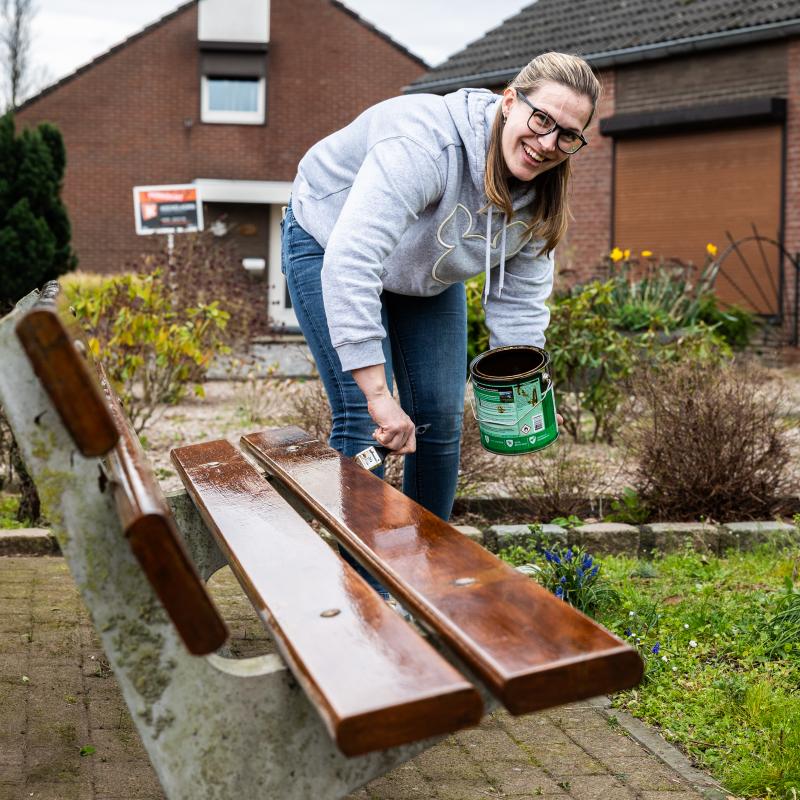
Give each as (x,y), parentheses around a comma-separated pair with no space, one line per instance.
(390,215)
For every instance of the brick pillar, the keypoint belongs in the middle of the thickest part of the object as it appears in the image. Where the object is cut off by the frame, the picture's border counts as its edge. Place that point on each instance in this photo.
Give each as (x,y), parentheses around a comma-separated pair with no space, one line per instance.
(792,177)
(588,238)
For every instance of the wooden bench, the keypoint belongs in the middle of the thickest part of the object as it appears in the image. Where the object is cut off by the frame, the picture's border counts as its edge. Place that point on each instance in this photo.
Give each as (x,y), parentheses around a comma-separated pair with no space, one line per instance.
(356,690)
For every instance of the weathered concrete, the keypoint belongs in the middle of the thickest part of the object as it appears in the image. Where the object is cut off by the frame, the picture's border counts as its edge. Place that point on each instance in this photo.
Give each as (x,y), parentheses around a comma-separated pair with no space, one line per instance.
(72,700)
(671,537)
(606,538)
(499,536)
(746,535)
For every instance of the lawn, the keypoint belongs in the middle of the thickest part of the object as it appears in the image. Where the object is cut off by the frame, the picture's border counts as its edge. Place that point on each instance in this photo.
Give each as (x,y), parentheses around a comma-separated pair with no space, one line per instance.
(721,640)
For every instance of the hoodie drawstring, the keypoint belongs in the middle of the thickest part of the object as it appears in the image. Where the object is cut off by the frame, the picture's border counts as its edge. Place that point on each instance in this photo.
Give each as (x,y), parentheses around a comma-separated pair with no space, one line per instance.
(489,253)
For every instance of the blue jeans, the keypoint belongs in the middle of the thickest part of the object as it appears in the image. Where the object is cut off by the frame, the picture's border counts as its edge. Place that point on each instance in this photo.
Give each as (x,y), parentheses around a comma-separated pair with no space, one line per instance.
(426,354)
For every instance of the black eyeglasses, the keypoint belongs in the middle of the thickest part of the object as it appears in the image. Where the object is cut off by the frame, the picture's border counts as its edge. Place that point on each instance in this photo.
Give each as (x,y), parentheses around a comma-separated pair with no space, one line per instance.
(541,123)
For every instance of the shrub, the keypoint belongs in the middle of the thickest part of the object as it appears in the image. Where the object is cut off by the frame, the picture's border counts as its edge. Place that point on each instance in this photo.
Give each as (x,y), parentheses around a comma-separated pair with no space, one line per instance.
(34,227)
(477,332)
(554,482)
(709,443)
(590,360)
(151,347)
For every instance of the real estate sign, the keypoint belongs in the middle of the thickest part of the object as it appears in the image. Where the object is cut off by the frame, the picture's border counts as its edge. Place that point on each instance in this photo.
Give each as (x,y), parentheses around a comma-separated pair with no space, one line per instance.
(167,209)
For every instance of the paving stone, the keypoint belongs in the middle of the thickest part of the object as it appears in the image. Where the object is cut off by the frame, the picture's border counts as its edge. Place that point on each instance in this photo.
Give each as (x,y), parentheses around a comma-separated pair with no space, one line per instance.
(643,775)
(445,761)
(58,791)
(11,789)
(606,538)
(671,796)
(404,783)
(490,745)
(746,535)
(616,745)
(511,778)
(461,790)
(499,536)
(135,781)
(671,537)
(597,787)
(471,532)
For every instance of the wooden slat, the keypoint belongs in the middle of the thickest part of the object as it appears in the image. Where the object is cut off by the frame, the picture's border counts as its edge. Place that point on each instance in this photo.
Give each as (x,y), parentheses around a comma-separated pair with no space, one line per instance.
(155,540)
(531,649)
(91,413)
(375,682)
(56,352)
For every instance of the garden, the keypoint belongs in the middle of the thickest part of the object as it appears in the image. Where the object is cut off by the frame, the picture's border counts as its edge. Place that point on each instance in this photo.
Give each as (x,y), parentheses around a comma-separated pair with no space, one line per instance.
(669,415)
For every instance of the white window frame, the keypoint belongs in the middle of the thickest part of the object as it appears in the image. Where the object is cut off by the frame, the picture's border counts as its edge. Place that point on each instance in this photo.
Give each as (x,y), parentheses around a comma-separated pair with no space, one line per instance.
(232,117)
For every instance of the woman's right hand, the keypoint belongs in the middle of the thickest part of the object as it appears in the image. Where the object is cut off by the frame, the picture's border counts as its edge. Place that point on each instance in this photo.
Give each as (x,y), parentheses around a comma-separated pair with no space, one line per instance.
(395,429)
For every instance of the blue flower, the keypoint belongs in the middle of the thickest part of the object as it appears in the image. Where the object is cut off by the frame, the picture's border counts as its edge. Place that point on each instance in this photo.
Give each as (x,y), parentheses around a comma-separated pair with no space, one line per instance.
(594,571)
(568,556)
(579,573)
(556,558)
(656,648)
(548,555)
(587,561)
(560,592)
(563,579)
(628,632)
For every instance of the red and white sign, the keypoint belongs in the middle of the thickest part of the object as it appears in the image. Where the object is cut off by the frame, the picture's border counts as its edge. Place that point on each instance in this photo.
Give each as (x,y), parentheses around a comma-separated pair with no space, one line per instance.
(167,209)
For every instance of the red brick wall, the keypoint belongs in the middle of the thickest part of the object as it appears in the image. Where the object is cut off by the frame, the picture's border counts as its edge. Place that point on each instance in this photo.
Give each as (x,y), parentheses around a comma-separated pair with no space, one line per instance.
(587,240)
(123,119)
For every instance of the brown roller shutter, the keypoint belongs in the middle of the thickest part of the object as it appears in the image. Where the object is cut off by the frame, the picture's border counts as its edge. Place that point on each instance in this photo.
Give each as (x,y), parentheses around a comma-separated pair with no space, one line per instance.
(675,193)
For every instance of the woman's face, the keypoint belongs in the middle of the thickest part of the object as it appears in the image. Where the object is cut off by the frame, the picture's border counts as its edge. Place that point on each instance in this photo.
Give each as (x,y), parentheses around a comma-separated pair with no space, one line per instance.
(528,155)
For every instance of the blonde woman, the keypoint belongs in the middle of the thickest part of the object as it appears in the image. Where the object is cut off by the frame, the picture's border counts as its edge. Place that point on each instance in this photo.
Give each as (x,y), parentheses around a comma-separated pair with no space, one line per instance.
(391,214)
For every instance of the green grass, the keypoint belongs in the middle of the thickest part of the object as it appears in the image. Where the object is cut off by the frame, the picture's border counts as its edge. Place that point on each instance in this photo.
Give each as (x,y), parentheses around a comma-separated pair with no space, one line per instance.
(9,504)
(724,680)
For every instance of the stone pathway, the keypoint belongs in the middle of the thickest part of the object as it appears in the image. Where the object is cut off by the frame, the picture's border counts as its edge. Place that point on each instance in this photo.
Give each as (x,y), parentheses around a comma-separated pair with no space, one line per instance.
(65,733)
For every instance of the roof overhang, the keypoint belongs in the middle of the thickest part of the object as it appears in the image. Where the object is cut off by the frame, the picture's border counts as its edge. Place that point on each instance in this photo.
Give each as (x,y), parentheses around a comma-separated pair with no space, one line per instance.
(215,190)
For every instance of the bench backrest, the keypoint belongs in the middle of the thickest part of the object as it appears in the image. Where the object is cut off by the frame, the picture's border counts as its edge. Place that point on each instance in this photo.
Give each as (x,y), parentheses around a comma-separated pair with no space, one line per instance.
(91,412)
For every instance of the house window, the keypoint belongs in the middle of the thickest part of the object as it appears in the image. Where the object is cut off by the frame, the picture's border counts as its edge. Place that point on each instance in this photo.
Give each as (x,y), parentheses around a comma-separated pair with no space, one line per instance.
(227,99)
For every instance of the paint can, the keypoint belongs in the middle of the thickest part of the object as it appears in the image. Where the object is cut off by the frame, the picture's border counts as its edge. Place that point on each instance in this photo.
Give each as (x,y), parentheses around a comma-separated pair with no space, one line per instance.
(513,397)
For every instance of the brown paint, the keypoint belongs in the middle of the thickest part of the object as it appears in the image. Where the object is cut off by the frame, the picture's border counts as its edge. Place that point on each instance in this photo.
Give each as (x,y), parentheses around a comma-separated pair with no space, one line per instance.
(55,347)
(374,681)
(532,650)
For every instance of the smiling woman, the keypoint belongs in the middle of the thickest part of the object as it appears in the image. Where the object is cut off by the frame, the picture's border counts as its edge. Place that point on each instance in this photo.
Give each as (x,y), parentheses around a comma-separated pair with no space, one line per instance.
(390,215)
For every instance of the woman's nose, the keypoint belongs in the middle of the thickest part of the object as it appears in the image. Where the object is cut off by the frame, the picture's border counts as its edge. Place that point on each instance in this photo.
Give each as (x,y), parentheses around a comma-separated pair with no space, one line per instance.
(549,141)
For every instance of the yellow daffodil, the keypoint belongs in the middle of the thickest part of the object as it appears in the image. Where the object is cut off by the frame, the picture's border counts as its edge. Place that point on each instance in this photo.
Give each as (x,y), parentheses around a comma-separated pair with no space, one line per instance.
(627,254)
(647,253)
(711,249)
(616,255)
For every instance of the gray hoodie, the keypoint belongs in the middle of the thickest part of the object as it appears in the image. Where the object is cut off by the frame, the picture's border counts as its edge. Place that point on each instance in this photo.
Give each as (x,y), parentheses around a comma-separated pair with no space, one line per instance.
(395,200)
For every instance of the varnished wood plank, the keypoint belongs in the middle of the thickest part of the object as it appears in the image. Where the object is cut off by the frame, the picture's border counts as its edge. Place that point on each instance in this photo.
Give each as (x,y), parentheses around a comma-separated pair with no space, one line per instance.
(531,649)
(56,350)
(375,682)
(154,537)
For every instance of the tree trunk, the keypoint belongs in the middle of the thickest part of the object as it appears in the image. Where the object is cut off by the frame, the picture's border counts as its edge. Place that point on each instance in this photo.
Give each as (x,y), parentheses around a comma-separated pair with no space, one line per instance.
(29,505)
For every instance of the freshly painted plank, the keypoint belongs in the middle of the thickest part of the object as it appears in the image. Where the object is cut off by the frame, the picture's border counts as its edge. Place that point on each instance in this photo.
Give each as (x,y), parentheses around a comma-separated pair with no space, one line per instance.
(531,649)
(375,682)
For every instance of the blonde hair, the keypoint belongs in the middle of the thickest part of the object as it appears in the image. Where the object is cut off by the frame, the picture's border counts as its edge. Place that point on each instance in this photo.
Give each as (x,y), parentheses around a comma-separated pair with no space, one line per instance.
(550,206)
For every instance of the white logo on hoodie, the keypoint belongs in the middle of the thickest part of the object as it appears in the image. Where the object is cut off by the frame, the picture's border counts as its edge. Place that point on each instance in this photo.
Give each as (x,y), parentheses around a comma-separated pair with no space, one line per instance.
(455,229)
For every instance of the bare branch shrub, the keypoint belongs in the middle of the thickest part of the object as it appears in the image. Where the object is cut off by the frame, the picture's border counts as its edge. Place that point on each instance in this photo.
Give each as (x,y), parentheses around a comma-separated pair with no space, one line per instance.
(555,482)
(708,443)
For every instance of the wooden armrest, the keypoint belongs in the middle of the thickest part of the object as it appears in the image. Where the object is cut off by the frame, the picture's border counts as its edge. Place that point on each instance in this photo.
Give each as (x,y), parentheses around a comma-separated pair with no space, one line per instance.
(91,412)
(55,347)
(375,682)
(531,649)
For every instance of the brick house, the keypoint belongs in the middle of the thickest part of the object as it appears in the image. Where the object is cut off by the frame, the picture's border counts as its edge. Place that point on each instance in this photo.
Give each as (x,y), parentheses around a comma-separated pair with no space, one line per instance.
(227,94)
(697,136)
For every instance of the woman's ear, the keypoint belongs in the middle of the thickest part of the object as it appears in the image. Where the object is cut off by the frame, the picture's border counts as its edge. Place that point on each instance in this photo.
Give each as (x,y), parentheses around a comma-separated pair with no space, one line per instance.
(506,104)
